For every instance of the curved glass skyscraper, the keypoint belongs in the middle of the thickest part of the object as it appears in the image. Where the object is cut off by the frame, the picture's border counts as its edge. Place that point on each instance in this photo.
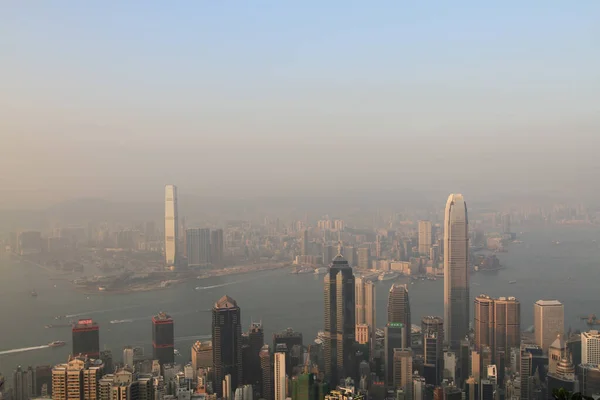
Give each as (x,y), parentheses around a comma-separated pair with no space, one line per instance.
(456,270)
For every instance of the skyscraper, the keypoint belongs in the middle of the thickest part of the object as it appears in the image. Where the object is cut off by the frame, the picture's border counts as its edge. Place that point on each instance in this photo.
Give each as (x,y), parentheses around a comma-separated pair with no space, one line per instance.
(163,339)
(339,320)
(590,347)
(171,225)
(280,376)
(402,371)
(364,258)
(266,373)
(497,324)
(86,338)
(456,270)
(364,295)
(425,237)
(549,321)
(399,310)
(198,247)
(227,342)
(432,329)
(359,297)
(394,338)
(305,249)
(24,383)
(216,247)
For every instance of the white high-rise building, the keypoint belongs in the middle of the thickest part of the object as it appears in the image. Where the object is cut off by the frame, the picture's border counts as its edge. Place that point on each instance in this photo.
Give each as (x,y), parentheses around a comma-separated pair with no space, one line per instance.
(456,270)
(549,321)
(590,347)
(171,225)
(279,374)
(364,295)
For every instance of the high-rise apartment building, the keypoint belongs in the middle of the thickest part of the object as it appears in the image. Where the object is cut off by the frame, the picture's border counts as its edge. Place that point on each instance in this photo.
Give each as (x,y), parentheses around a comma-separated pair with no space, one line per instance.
(590,347)
(163,339)
(217,247)
(399,310)
(198,247)
(456,270)
(171,225)
(67,380)
(549,321)
(227,342)
(279,374)
(339,313)
(365,309)
(425,237)
(86,338)
(497,324)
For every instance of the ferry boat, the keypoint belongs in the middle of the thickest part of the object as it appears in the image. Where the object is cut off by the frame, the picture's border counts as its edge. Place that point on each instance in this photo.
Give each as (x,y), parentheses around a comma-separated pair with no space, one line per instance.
(302,270)
(33,293)
(512,282)
(57,343)
(320,271)
(387,276)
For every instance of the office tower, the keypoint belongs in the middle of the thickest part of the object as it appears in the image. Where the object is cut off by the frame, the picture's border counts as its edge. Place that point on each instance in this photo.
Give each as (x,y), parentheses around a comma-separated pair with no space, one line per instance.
(364,258)
(339,321)
(419,388)
(24,383)
(359,297)
(487,390)
(563,376)
(556,351)
(350,255)
(202,353)
(198,247)
(128,356)
(163,339)
(107,359)
(590,347)
(589,379)
(497,324)
(256,340)
(399,310)
(43,380)
(549,317)
(305,249)
(464,365)
(402,371)
(227,341)
(304,387)
(280,376)
(86,338)
(227,389)
(506,223)
(432,329)
(525,370)
(394,337)
(450,366)
(67,380)
(425,237)
(266,373)
(328,254)
(456,270)
(171,226)
(574,348)
(370,316)
(216,247)
(286,341)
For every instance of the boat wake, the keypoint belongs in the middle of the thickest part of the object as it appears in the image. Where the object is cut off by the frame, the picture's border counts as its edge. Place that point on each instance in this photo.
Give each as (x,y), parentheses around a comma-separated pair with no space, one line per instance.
(225,284)
(23,349)
(82,314)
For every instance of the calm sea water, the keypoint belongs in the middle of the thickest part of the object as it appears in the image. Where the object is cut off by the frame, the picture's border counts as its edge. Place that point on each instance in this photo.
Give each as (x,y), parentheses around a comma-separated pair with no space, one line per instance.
(281,300)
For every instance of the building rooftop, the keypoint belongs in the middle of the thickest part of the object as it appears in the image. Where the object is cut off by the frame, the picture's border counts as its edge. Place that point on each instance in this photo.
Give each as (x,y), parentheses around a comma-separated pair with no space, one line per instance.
(225,302)
(548,303)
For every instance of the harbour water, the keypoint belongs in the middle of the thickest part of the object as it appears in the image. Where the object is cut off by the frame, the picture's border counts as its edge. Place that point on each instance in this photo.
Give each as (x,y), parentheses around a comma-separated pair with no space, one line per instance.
(567,271)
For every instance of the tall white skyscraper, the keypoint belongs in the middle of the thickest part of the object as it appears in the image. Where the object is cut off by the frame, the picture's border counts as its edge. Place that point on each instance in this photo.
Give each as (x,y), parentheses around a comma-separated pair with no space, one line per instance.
(590,347)
(171,225)
(279,374)
(456,270)
(364,295)
(549,322)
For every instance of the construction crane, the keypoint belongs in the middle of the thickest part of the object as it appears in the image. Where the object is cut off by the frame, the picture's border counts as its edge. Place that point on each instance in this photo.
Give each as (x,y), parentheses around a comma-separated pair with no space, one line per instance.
(307,360)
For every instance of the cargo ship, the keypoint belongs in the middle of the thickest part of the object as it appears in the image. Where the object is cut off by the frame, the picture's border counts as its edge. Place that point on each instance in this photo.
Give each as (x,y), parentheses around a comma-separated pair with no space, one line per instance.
(57,343)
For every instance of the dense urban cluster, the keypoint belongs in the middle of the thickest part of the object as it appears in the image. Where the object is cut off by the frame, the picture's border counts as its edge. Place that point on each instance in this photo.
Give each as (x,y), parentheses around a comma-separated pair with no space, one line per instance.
(455,356)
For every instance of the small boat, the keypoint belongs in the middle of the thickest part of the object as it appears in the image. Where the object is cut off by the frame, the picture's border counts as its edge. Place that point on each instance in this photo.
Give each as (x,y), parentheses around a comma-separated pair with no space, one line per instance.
(319,271)
(512,282)
(33,293)
(57,343)
(120,321)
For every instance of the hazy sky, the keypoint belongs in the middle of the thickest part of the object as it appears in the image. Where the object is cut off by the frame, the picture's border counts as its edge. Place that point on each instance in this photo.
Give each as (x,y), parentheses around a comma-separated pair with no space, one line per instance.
(238,98)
